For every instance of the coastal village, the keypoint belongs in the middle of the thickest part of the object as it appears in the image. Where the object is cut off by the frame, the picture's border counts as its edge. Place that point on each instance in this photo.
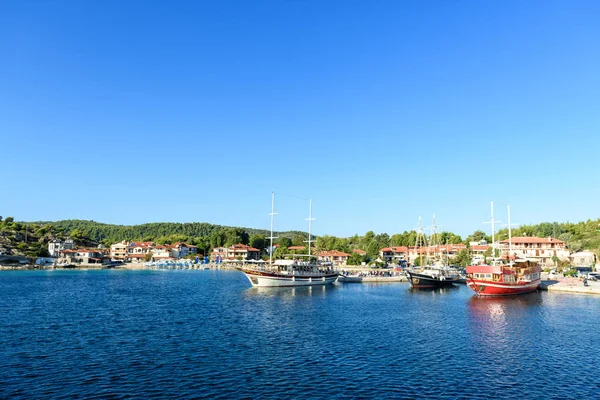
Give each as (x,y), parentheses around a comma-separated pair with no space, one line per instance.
(545,251)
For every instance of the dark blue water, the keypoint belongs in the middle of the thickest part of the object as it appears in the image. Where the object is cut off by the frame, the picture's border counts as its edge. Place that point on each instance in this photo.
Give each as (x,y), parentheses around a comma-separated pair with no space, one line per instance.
(100,334)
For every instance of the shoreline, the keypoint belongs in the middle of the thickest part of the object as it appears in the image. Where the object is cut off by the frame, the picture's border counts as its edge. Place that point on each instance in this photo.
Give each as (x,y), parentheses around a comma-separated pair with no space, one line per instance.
(563,285)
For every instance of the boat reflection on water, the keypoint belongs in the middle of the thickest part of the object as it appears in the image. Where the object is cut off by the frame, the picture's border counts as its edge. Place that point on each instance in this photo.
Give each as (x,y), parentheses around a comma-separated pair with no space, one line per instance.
(497,326)
(493,307)
(287,292)
(433,291)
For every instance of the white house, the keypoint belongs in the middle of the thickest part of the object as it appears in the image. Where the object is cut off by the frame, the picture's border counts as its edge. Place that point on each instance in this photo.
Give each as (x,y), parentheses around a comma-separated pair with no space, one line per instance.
(583,259)
(183,249)
(543,250)
(57,245)
(118,251)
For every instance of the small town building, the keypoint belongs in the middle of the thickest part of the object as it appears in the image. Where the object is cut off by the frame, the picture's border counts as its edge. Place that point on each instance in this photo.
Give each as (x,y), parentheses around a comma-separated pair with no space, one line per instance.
(583,259)
(163,252)
(542,250)
(218,254)
(334,256)
(183,249)
(57,245)
(82,257)
(235,252)
(118,251)
(393,254)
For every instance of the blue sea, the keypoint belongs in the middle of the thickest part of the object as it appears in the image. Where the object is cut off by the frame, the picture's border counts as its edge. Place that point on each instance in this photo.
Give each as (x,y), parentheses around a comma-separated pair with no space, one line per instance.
(208,334)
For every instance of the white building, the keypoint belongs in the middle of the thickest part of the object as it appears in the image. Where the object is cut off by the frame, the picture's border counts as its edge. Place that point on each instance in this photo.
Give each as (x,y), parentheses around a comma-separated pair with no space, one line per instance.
(57,245)
(583,259)
(183,249)
(543,250)
(118,251)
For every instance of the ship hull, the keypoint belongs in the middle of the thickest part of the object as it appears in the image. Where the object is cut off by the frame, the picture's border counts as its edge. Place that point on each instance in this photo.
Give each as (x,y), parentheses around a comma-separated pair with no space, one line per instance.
(273,279)
(486,288)
(424,281)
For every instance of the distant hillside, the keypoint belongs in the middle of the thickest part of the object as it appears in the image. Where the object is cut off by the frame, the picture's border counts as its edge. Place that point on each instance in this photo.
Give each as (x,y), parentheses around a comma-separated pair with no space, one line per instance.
(31,238)
(204,235)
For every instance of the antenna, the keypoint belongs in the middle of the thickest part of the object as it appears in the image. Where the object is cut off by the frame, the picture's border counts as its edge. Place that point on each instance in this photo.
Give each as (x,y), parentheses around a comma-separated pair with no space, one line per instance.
(492,221)
(272,214)
(310,219)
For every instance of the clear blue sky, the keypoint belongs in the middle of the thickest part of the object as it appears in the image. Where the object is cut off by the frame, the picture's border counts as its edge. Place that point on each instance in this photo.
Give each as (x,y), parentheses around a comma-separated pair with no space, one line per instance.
(380,111)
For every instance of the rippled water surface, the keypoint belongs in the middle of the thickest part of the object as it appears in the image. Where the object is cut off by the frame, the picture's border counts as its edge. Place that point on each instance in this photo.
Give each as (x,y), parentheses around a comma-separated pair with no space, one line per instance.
(208,334)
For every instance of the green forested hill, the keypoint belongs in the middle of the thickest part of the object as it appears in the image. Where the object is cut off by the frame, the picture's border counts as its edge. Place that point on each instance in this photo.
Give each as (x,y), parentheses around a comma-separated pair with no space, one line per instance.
(199,233)
(31,238)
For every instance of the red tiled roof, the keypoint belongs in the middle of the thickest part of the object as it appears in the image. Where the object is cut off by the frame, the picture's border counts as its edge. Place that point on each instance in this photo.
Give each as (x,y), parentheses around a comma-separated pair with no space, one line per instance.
(334,253)
(359,251)
(532,240)
(296,248)
(395,249)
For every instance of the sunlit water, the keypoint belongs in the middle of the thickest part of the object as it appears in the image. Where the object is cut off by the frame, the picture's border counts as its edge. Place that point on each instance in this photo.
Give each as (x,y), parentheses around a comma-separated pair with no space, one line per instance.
(187,334)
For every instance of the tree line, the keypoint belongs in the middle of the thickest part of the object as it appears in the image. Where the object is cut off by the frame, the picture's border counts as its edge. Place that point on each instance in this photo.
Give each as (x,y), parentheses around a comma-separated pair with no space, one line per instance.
(32,237)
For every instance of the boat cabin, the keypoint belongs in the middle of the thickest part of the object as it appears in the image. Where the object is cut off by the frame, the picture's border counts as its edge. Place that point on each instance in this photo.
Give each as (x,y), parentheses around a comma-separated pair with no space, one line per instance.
(522,271)
(298,267)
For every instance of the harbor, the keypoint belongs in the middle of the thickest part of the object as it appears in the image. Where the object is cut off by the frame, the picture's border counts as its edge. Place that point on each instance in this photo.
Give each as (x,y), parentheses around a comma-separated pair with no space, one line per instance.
(571,285)
(180,333)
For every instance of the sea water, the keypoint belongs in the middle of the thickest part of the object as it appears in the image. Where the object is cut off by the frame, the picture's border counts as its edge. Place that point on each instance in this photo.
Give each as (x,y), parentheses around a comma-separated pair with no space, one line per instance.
(194,334)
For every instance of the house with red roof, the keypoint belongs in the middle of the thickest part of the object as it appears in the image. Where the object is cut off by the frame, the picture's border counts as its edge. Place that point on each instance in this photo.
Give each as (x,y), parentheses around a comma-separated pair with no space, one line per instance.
(82,256)
(183,249)
(334,256)
(394,253)
(540,249)
(235,252)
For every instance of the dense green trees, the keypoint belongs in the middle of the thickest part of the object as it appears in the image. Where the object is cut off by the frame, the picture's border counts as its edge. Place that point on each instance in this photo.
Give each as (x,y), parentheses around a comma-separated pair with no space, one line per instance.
(579,236)
(257,241)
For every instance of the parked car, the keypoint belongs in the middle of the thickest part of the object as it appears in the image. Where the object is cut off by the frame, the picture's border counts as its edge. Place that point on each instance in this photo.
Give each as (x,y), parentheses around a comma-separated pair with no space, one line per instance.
(594,276)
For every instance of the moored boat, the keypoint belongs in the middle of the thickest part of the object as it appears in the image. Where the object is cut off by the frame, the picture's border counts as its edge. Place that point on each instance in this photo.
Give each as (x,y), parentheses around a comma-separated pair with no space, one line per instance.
(430,276)
(290,272)
(523,276)
(350,278)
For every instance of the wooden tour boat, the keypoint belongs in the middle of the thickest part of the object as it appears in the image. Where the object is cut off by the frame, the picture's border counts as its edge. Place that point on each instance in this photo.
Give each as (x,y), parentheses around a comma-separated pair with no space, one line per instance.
(516,277)
(290,272)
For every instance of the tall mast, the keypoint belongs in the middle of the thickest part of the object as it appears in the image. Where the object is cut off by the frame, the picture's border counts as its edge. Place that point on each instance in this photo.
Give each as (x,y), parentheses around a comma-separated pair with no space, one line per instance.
(420,240)
(272,214)
(493,242)
(492,221)
(310,219)
(509,238)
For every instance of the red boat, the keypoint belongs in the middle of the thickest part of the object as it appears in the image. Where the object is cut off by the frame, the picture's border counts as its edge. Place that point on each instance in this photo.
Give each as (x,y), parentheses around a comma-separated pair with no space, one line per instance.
(523,276)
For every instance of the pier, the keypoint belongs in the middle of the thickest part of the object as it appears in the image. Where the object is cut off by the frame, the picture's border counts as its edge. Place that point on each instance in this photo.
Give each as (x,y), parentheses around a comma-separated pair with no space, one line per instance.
(570,285)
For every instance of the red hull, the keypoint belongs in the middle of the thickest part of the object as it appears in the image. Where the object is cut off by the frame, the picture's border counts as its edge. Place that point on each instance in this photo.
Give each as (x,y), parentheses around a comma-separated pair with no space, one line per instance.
(487,288)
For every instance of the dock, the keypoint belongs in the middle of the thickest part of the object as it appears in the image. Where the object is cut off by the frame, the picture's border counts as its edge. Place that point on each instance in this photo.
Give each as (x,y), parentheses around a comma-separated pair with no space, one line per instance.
(570,285)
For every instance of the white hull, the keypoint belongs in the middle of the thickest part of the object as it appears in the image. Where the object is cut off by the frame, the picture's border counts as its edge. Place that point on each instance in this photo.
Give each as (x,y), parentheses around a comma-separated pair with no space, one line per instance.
(280,280)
